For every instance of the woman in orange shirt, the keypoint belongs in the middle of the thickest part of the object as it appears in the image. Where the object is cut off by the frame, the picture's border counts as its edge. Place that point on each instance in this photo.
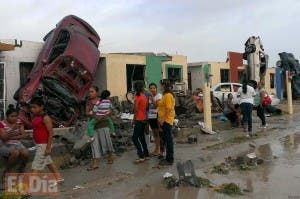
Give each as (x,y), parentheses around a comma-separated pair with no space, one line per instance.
(140,121)
(166,115)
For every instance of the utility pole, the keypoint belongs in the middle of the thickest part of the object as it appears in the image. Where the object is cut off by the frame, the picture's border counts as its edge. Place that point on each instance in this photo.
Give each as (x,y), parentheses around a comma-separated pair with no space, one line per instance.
(289,93)
(206,97)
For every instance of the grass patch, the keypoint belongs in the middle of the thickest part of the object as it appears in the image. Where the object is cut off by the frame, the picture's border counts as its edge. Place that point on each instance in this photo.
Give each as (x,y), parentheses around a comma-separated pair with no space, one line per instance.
(203,182)
(229,189)
(220,169)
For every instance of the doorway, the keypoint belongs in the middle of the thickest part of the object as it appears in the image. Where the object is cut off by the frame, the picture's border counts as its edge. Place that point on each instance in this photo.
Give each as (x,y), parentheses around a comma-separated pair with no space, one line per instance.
(134,73)
(25,69)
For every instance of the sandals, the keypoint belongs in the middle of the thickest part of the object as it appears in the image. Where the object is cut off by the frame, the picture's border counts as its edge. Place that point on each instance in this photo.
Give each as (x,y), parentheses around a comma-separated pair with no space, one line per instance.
(92,168)
(139,160)
(110,161)
(154,154)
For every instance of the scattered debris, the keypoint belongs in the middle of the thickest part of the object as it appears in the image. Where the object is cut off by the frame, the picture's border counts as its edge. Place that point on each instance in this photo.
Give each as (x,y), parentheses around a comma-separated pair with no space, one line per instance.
(167,175)
(186,173)
(203,182)
(192,139)
(220,169)
(229,189)
(170,181)
(127,116)
(78,187)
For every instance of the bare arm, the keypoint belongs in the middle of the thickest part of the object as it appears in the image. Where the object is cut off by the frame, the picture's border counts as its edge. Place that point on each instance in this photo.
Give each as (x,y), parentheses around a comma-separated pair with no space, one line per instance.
(22,134)
(48,123)
(231,107)
(135,106)
(88,109)
(3,135)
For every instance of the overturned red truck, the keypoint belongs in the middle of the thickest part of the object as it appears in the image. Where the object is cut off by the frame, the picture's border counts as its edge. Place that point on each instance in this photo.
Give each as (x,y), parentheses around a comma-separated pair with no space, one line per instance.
(63,71)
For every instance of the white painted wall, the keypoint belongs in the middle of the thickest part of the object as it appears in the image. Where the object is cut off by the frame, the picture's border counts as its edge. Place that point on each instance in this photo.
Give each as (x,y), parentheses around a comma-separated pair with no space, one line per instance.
(196,76)
(28,52)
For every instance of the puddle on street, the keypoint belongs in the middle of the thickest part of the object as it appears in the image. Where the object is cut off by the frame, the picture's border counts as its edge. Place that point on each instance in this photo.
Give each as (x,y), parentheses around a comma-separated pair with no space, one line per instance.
(277,177)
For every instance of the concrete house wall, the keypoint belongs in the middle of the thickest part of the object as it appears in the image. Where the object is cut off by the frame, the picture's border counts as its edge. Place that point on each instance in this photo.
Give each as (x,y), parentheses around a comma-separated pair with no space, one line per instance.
(28,52)
(177,61)
(113,70)
(268,82)
(195,70)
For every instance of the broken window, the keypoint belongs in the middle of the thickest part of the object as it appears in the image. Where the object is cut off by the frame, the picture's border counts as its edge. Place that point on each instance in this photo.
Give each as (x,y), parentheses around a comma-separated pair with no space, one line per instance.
(134,73)
(174,75)
(25,69)
(224,88)
(190,81)
(241,76)
(272,80)
(224,75)
(60,45)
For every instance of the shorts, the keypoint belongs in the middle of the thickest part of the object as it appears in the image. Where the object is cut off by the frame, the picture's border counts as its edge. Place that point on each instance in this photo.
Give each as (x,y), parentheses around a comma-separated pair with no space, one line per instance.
(153,123)
(40,161)
(4,151)
(16,146)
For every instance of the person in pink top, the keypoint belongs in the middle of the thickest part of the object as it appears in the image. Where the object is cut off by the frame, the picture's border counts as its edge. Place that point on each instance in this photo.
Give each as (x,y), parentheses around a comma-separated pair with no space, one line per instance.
(14,129)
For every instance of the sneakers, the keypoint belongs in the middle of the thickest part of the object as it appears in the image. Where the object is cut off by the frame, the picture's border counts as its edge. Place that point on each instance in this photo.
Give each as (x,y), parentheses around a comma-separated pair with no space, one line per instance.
(57,182)
(263,126)
(165,163)
(91,139)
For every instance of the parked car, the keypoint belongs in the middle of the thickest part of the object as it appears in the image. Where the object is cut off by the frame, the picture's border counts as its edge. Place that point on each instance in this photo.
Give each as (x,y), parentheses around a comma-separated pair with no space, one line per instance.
(223,89)
(63,71)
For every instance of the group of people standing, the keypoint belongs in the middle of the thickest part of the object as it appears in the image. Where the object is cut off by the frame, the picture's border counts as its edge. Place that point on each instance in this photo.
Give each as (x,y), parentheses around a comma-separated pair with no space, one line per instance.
(159,111)
(250,98)
(150,109)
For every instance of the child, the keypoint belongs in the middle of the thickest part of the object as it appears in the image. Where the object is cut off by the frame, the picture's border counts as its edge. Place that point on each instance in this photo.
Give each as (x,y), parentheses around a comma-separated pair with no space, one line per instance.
(42,135)
(101,108)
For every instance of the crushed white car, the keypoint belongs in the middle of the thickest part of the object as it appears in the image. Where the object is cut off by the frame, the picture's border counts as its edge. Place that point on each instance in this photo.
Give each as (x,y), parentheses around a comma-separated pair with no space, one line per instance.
(223,89)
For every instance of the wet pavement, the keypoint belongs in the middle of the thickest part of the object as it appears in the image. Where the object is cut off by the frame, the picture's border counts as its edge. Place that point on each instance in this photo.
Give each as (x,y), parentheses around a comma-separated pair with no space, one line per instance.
(277,177)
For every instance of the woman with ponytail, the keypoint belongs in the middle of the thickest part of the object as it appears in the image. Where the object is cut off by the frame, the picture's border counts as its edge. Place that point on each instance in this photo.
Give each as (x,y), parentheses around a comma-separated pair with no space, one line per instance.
(246,94)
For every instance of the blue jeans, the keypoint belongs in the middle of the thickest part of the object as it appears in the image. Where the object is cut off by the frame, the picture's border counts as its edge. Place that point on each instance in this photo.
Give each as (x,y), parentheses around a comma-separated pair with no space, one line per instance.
(261,114)
(246,109)
(167,135)
(138,139)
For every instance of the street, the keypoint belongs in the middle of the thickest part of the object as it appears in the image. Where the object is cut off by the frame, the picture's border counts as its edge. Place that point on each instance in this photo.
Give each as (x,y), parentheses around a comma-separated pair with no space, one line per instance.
(277,177)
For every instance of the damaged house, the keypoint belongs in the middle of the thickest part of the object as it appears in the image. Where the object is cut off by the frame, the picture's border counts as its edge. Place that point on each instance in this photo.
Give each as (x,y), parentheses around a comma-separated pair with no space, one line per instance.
(233,70)
(117,72)
(17,59)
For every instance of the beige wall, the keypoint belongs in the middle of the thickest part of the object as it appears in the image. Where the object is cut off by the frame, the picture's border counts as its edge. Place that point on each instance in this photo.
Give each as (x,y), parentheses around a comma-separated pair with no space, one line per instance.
(116,72)
(267,81)
(178,60)
(215,68)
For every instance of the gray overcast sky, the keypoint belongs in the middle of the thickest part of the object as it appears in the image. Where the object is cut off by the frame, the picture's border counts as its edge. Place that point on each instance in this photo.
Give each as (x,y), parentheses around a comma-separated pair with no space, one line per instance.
(203,30)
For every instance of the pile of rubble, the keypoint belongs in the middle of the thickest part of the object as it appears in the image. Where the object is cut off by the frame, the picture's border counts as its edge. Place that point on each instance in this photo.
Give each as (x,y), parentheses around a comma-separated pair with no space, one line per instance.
(187,176)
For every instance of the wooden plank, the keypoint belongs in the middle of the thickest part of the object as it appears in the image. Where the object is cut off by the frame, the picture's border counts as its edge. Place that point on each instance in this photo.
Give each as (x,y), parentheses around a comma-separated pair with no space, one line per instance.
(6,47)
